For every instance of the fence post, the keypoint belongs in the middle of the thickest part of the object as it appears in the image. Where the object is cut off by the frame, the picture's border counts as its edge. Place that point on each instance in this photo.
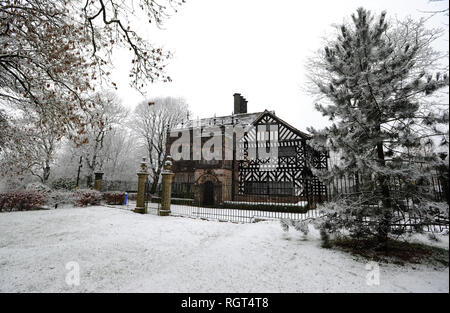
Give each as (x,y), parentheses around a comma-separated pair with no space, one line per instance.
(142,177)
(98,181)
(167,176)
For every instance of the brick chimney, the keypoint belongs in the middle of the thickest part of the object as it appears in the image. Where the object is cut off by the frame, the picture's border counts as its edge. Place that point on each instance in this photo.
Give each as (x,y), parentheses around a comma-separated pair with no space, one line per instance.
(240,104)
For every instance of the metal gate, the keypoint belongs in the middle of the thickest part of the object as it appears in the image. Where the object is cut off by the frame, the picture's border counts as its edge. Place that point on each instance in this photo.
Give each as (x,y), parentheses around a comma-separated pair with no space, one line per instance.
(152,201)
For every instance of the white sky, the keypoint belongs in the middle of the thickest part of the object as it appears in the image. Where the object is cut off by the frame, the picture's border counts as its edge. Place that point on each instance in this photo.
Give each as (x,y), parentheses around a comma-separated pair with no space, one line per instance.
(255,47)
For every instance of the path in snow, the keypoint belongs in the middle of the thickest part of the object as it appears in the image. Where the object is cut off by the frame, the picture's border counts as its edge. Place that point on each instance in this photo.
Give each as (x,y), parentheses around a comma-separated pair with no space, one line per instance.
(122,251)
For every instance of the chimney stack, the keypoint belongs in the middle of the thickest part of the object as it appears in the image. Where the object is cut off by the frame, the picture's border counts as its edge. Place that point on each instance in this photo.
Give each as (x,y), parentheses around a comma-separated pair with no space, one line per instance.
(244,106)
(240,104)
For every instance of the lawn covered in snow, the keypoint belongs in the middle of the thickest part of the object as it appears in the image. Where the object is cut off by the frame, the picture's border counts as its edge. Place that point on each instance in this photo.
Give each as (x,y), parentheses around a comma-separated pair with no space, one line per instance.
(118,250)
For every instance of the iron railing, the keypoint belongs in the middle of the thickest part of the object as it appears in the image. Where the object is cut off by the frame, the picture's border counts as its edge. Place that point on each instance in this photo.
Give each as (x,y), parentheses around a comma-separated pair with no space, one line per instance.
(247,208)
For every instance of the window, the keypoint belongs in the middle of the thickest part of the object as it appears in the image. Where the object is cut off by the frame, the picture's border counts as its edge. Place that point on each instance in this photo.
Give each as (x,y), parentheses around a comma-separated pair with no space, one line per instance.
(210,162)
(269,188)
(288,151)
(182,185)
(184,178)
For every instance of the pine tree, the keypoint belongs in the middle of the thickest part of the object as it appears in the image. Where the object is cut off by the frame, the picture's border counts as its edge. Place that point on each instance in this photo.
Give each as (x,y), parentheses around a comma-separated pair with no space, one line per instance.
(376,83)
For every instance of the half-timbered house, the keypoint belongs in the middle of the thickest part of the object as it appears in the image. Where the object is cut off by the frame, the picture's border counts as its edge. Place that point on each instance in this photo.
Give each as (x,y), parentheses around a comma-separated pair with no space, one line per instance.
(246,171)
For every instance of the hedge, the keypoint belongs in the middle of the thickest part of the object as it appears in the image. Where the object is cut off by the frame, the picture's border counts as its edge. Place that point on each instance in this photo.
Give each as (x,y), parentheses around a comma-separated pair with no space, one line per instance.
(58,197)
(26,200)
(114,197)
(271,207)
(22,200)
(179,201)
(65,183)
(132,196)
(84,197)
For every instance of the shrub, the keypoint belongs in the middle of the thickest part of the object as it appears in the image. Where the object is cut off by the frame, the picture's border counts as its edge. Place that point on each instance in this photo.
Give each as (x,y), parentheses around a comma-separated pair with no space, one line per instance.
(57,197)
(64,183)
(271,207)
(178,201)
(84,197)
(132,196)
(325,238)
(38,187)
(22,200)
(115,197)
(301,226)
(182,201)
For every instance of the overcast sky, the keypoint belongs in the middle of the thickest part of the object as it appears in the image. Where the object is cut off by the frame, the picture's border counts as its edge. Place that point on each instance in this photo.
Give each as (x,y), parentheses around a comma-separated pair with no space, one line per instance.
(255,47)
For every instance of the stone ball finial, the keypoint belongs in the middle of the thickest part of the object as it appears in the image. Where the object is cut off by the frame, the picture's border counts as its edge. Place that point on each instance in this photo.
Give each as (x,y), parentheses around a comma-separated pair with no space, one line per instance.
(168,163)
(143,166)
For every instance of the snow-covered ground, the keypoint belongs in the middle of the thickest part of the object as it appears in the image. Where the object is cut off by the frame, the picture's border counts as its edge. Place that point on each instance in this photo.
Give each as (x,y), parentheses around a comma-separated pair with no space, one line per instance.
(118,250)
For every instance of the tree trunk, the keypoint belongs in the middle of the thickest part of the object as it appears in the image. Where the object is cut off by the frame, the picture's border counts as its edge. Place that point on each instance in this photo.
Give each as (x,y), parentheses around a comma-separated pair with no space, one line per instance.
(156,175)
(89,181)
(46,174)
(46,169)
(154,186)
(386,215)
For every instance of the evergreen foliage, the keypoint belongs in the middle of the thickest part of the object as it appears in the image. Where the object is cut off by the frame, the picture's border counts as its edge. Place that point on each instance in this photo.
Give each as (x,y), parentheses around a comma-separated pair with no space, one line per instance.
(385,122)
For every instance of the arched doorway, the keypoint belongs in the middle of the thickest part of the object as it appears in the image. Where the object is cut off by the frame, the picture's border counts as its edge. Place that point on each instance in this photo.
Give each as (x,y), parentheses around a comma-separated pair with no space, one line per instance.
(208,193)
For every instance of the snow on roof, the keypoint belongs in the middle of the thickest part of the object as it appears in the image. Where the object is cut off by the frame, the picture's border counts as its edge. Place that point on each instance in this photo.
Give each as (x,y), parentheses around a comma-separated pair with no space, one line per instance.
(234,119)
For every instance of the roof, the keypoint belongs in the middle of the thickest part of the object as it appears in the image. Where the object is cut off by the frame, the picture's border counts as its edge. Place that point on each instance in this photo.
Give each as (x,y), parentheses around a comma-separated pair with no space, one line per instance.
(245,119)
(234,119)
(289,126)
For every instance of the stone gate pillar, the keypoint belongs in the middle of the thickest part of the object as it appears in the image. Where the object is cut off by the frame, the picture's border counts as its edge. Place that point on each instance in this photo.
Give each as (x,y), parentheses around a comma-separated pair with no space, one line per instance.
(198,194)
(98,181)
(167,176)
(142,178)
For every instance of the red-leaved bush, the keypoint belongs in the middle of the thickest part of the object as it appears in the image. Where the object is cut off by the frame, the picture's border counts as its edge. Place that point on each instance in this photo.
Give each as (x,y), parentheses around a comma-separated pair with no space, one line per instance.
(22,200)
(84,197)
(115,197)
(132,196)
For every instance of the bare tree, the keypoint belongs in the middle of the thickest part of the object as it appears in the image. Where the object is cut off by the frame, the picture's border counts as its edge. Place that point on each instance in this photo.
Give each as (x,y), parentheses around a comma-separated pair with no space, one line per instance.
(120,154)
(15,133)
(43,150)
(54,51)
(152,120)
(29,144)
(107,114)
(443,11)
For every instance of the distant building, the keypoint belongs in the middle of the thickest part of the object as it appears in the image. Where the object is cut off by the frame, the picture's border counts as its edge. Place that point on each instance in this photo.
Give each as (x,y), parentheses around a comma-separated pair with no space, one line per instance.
(239,177)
